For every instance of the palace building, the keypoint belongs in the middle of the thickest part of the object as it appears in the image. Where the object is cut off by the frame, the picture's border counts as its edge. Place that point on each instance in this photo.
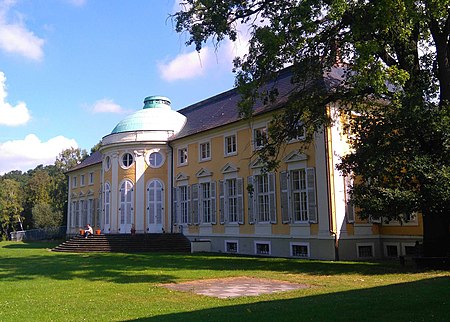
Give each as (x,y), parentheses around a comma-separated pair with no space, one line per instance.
(195,171)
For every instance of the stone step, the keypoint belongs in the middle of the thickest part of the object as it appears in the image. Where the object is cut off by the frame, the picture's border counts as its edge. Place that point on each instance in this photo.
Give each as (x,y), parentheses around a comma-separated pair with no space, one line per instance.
(127,243)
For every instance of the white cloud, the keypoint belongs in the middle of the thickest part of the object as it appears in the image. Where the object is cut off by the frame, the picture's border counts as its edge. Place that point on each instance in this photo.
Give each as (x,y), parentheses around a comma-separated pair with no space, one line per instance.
(186,66)
(106,105)
(30,152)
(11,115)
(15,38)
(194,64)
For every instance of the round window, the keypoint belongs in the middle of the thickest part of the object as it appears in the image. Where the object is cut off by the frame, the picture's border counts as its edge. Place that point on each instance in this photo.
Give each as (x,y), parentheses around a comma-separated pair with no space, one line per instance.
(127,160)
(155,159)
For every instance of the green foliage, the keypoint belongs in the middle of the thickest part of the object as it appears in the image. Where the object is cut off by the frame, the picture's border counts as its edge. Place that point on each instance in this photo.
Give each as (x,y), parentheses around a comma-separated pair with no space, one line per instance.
(45,217)
(40,194)
(10,205)
(396,56)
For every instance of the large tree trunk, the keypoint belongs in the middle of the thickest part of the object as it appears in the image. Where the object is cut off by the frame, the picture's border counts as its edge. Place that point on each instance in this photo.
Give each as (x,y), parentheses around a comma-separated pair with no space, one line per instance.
(436,236)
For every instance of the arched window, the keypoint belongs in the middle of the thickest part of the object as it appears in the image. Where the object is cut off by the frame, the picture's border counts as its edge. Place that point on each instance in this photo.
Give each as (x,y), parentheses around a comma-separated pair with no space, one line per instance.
(154,202)
(126,204)
(107,203)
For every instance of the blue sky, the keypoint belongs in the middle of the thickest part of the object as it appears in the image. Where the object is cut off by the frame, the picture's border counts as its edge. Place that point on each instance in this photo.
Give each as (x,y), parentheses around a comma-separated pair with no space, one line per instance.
(70,70)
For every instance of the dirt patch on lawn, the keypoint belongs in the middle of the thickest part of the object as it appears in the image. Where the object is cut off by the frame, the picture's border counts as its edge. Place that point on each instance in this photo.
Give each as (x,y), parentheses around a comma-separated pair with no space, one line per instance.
(235,287)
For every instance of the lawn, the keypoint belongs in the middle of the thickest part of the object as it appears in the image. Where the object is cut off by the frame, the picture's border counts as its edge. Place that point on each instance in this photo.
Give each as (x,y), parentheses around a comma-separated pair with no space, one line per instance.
(39,285)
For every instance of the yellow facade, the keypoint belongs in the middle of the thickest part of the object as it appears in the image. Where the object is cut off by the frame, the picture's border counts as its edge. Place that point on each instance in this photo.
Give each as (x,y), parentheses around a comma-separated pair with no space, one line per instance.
(208,185)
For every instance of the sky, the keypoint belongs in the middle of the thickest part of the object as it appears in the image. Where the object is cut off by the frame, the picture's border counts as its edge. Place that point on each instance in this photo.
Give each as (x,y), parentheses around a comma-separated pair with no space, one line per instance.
(70,70)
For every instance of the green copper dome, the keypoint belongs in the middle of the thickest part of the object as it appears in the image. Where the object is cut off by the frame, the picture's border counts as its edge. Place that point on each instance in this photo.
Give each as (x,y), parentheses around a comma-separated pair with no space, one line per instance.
(156,115)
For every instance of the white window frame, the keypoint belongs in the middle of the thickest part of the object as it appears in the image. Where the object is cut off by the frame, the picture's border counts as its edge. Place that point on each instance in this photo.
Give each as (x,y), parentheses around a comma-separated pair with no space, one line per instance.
(91,178)
(206,202)
(231,200)
(385,249)
(306,192)
(262,242)
(90,213)
(232,242)
(291,248)
(258,132)
(204,151)
(126,202)
(184,204)
(182,156)
(82,180)
(107,163)
(74,181)
(263,198)
(107,203)
(364,245)
(228,152)
(155,202)
(122,163)
(299,137)
(302,215)
(152,164)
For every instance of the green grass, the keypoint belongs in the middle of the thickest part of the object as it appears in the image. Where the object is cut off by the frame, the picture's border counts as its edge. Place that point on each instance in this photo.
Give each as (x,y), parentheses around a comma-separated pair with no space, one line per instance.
(39,285)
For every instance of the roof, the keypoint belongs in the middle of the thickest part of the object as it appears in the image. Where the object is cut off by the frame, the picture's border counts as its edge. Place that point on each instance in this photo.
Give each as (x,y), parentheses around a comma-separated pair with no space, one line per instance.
(155,116)
(223,109)
(94,158)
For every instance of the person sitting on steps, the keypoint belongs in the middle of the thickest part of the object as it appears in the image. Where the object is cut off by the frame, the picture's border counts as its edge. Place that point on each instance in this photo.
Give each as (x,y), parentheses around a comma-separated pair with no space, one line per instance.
(88,231)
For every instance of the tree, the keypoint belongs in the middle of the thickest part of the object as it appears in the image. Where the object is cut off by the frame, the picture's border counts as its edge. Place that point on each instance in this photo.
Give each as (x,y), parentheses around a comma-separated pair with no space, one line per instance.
(46,217)
(395,90)
(10,205)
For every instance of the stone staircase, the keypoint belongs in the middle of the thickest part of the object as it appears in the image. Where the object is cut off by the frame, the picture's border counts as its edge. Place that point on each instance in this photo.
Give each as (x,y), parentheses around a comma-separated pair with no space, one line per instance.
(126,243)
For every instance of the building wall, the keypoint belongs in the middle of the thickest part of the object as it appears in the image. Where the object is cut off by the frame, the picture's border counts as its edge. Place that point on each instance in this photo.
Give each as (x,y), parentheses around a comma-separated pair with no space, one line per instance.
(88,194)
(277,234)
(330,231)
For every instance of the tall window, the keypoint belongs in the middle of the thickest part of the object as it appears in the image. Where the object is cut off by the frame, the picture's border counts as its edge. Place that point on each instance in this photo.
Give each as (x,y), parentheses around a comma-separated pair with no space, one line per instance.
(77,214)
(262,183)
(230,145)
(74,182)
(155,202)
(90,212)
(206,206)
(73,214)
(232,196)
(126,203)
(82,181)
(91,177)
(298,196)
(182,156)
(83,213)
(107,203)
(205,151)
(299,193)
(261,203)
(184,204)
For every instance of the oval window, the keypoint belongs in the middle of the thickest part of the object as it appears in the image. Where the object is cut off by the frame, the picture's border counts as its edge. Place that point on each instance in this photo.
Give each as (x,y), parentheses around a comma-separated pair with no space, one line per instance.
(155,159)
(127,160)
(107,163)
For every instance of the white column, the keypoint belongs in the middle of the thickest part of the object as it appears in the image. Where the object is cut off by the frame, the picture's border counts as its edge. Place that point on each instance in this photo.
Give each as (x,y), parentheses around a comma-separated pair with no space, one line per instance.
(114,193)
(139,192)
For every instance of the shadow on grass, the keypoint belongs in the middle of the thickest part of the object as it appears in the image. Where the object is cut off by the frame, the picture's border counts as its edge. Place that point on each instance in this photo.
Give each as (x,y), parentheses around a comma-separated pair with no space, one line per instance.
(33,245)
(424,300)
(22,262)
